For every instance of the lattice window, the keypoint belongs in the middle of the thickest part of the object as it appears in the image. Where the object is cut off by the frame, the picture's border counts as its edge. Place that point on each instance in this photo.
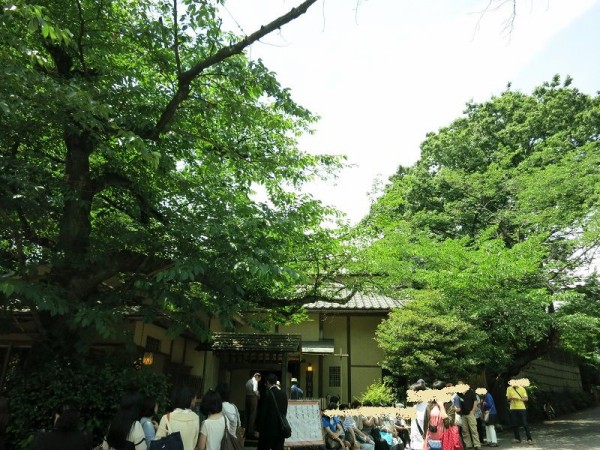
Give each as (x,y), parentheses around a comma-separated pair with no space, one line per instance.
(335,375)
(152,344)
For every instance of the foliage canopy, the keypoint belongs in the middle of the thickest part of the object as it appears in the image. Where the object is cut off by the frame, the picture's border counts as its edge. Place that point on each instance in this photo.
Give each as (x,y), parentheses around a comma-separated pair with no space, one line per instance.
(136,139)
(489,234)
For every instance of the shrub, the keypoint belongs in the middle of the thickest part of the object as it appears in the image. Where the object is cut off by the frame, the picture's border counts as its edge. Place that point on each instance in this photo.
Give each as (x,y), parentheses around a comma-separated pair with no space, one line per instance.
(95,386)
(378,393)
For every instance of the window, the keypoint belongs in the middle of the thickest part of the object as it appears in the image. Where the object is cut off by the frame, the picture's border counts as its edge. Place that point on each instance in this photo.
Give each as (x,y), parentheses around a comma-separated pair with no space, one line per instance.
(152,344)
(335,376)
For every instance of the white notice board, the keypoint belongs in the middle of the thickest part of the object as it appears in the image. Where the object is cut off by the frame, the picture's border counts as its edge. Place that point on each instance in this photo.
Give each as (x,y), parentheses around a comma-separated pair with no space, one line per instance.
(304,417)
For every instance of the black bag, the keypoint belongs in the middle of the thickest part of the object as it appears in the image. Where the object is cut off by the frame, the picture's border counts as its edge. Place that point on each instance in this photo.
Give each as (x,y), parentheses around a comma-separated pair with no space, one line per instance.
(172,441)
(286,430)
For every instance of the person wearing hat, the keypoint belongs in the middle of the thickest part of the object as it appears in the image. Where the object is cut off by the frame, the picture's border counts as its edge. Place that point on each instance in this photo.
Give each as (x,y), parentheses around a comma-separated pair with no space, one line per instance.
(295,392)
(252,396)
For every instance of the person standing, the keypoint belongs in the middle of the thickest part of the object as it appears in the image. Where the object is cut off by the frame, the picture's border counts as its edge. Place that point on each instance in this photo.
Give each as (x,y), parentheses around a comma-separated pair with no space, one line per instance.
(182,418)
(295,392)
(466,409)
(65,434)
(252,396)
(230,411)
(517,397)
(274,405)
(491,418)
(215,425)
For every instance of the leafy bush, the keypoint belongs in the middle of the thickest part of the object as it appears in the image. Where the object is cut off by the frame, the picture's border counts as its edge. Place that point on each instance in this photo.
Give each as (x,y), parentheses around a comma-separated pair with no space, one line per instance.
(95,386)
(378,393)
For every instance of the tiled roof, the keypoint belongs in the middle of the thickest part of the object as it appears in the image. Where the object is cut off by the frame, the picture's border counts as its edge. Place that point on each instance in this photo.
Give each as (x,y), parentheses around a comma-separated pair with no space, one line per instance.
(360,301)
(256,342)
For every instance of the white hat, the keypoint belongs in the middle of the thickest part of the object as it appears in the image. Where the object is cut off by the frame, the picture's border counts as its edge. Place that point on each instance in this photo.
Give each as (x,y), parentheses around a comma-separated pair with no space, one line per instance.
(294,380)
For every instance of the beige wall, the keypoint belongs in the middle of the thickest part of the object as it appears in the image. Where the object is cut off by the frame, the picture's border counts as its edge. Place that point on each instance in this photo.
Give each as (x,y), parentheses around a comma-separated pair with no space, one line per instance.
(553,376)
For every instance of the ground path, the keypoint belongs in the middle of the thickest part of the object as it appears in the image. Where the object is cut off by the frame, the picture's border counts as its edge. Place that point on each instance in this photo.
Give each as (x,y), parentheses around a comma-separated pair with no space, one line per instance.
(580,430)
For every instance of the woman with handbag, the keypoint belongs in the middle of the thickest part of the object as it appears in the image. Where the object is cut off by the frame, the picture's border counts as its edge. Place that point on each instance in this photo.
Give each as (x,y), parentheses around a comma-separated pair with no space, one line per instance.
(231,412)
(214,427)
(182,419)
(436,421)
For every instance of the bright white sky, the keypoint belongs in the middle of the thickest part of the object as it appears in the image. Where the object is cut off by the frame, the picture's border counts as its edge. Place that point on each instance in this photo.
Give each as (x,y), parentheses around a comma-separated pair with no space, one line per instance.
(385,74)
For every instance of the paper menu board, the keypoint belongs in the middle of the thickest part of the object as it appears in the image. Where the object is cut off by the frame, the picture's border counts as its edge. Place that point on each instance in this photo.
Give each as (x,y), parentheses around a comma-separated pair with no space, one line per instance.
(304,417)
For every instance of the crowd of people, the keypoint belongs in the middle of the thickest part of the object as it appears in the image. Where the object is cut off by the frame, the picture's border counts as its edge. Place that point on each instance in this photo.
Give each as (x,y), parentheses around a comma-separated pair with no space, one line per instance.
(468,416)
(135,424)
(459,414)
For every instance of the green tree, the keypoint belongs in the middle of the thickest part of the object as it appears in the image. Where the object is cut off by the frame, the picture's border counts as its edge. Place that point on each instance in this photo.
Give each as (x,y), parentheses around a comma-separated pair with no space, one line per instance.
(136,136)
(495,222)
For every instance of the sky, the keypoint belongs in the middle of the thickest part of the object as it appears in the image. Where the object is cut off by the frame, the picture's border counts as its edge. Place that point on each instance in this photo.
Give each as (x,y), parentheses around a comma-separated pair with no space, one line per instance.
(382,74)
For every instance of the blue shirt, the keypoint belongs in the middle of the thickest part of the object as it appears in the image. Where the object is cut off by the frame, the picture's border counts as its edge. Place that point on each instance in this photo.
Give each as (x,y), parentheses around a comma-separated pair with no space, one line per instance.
(332,424)
(489,403)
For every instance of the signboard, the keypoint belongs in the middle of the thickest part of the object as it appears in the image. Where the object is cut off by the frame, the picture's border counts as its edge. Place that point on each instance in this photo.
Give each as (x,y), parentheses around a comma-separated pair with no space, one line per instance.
(304,417)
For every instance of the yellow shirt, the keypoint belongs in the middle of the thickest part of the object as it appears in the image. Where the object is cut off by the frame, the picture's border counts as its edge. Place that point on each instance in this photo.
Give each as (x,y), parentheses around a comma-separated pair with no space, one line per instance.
(515,396)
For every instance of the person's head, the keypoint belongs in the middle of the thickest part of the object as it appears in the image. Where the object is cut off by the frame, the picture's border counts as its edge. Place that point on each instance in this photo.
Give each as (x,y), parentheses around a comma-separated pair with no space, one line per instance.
(343,407)
(211,403)
(148,407)
(332,405)
(224,391)
(124,419)
(438,385)
(367,403)
(66,417)
(257,376)
(422,382)
(294,381)
(355,404)
(183,398)
(271,380)
(417,387)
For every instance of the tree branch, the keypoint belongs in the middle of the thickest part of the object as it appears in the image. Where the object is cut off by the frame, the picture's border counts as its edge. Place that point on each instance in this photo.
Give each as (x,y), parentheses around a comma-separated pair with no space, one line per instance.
(176,38)
(186,78)
(118,180)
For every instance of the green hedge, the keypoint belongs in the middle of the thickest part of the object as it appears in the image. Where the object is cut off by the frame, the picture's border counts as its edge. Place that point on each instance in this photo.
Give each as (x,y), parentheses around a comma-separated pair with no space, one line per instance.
(95,386)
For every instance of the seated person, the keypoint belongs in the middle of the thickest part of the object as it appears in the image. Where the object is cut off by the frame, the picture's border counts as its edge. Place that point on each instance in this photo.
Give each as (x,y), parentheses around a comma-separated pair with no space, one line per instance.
(334,432)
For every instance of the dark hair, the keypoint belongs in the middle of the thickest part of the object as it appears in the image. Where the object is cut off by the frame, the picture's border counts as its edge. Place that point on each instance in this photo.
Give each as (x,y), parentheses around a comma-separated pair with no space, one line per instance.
(68,417)
(417,387)
(343,407)
(4,414)
(355,404)
(332,405)
(123,421)
(147,407)
(438,384)
(183,397)
(211,403)
(367,403)
(272,379)
(224,391)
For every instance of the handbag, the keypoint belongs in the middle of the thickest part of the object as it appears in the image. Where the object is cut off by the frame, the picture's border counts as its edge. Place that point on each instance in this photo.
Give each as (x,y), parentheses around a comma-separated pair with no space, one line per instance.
(229,442)
(286,430)
(172,441)
(240,431)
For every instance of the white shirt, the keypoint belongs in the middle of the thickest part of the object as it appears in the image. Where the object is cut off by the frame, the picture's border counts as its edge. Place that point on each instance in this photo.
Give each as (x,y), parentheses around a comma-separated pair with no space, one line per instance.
(213,428)
(233,416)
